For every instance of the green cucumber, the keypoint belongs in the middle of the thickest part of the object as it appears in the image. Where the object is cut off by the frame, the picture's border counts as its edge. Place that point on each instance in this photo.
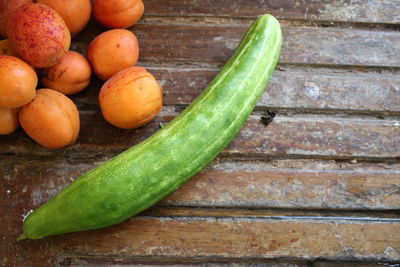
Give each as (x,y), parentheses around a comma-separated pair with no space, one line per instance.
(142,175)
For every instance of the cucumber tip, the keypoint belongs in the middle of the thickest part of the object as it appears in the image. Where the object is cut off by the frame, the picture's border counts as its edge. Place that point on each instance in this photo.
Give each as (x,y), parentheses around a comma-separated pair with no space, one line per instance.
(21,237)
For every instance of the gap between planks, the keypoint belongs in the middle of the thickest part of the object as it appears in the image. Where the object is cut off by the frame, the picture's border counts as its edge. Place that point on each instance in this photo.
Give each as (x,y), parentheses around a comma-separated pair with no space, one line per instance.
(169,261)
(237,21)
(154,261)
(166,211)
(177,65)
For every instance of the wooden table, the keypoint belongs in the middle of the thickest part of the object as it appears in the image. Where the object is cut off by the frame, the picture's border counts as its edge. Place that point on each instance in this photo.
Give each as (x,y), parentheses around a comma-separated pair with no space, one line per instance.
(319,186)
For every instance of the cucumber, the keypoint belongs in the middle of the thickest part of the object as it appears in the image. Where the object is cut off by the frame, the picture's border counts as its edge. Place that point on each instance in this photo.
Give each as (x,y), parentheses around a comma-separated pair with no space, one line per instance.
(142,175)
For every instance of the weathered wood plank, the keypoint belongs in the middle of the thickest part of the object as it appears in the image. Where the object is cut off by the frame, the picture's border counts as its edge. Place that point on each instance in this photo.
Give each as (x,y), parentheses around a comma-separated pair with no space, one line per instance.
(381,11)
(280,184)
(301,45)
(294,184)
(26,184)
(260,186)
(296,88)
(292,88)
(311,136)
(204,239)
(233,237)
(323,69)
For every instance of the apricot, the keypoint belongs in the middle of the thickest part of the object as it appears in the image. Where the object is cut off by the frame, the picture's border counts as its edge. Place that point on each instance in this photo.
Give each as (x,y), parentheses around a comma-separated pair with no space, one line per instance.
(70,76)
(117,13)
(131,98)
(6,48)
(18,82)
(75,13)
(38,34)
(112,51)
(51,119)
(7,7)
(8,120)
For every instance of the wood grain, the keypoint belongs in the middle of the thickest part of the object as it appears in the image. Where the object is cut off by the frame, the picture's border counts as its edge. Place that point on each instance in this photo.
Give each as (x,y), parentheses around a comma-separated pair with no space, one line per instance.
(302,184)
(287,183)
(380,11)
(309,45)
(28,183)
(260,186)
(319,186)
(227,239)
(292,88)
(231,238)
(316,137)
(296,88)
(301,45)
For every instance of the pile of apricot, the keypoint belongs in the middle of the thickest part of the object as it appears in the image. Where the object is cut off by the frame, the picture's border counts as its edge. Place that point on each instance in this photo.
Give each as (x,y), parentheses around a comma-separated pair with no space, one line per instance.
(36,50)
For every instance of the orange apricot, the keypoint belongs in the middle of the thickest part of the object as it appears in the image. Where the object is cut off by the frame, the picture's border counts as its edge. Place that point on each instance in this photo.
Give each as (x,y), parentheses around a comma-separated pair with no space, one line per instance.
(8,120)
(75,13)
(38,35)
(130,98)
(112,51)
(51,119)
(117,13)
(70,76)
(7,7)
(6,48)
(18,82)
